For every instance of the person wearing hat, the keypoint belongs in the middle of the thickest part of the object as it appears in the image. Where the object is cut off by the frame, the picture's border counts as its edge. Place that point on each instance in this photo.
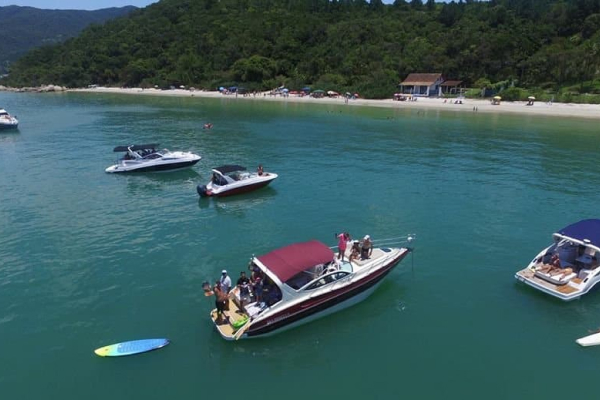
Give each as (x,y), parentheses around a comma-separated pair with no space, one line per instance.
(225,282)
(367,248)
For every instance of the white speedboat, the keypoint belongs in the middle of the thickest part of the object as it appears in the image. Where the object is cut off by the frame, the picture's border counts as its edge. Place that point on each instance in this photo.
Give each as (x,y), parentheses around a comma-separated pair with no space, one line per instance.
(590,340)
(568,268)
(145,158)
(228,180)
(7,121)
(302,282)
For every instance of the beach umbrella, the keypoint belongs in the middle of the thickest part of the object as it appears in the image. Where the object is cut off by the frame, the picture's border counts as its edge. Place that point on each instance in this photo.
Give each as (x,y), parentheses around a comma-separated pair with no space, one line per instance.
(285,90)
(531,98)
(497,98)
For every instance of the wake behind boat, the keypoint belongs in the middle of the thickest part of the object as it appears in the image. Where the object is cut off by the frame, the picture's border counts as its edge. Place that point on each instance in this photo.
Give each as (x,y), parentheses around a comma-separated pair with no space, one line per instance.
(569,267)
(228,180)
(7,121)
(302,282)
(145,158)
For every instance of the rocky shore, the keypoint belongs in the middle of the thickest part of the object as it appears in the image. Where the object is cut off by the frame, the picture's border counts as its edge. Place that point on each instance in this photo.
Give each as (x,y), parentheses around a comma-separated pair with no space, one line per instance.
(39,89)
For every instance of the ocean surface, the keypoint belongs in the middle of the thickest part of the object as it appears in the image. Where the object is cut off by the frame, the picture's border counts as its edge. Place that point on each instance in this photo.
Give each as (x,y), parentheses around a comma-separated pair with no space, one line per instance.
(89,259)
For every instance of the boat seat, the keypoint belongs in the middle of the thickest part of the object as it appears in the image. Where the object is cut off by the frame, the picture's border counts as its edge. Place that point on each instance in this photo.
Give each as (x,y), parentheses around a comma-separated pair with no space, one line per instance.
(556,277)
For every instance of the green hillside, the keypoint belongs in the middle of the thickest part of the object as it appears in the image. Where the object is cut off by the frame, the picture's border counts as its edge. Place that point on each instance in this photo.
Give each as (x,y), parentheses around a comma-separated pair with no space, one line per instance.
(347,44)
(24,28)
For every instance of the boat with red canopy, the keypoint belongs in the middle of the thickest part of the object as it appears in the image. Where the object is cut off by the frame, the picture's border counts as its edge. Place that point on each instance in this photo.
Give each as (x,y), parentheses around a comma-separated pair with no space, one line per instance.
(299,283)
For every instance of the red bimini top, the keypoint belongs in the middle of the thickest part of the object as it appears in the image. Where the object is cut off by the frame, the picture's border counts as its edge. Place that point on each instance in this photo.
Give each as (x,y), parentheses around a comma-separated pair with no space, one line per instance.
(290,260)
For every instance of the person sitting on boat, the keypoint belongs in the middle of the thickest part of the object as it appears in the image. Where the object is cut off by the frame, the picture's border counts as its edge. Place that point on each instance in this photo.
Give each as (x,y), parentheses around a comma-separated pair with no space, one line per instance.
(555,261)
(367,248)
(259,170)
(355,252)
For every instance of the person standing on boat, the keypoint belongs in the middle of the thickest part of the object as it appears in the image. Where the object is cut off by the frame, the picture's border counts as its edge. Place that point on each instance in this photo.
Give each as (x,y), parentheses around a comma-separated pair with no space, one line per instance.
(243,284)
(225,282)
(259,170)
(221,301)
(367,248)
(342,245)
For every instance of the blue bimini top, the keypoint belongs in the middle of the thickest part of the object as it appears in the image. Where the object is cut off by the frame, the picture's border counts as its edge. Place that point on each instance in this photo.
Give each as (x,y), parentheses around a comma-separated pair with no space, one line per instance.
(587,229)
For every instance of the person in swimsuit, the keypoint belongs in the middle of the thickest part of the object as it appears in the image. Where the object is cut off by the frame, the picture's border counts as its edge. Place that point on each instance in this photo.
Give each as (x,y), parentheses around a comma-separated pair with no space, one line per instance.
(342,245)
(220,301)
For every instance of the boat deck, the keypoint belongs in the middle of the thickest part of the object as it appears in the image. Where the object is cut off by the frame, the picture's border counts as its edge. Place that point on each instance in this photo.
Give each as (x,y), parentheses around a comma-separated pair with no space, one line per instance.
(528,274)
(234,314)
(357,262)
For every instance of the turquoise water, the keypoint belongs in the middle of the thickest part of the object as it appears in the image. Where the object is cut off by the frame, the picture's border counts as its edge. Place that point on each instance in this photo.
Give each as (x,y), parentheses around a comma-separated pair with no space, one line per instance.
(88,259)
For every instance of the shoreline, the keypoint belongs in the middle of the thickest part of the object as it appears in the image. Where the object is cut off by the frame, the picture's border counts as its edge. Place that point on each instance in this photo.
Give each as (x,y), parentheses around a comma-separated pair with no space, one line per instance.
(569,110)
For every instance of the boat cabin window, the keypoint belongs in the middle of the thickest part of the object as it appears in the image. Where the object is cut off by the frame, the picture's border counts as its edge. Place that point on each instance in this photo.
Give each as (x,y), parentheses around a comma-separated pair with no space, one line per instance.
(326,279)
(308,275)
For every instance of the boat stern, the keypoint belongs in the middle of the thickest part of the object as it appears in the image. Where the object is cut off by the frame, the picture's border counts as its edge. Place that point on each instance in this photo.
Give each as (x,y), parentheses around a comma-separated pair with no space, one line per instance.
(564,287)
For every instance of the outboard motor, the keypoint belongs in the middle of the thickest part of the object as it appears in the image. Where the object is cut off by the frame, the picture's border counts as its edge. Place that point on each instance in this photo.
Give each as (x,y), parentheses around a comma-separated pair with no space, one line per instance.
(202,190)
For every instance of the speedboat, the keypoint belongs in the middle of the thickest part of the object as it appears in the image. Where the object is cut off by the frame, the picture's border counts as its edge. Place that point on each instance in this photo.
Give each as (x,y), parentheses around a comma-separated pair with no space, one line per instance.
(568,268)
(145,158)
(299,283)
(7,121)
(228,180)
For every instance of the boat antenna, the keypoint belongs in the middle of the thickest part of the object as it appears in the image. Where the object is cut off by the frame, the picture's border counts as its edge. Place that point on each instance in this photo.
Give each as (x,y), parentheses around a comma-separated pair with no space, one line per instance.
(409,239)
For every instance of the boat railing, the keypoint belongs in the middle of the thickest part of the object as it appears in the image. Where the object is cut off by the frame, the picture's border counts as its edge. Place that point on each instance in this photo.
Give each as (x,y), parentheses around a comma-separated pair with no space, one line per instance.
(399,241)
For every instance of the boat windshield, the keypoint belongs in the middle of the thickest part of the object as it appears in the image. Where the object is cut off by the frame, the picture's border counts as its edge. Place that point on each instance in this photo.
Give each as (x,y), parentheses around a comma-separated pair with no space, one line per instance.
(326,279)
(317,273)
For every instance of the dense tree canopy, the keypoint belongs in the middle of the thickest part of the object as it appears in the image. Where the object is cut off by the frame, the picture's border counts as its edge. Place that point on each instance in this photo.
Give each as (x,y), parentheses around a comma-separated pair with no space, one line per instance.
(332,44)
(23,28)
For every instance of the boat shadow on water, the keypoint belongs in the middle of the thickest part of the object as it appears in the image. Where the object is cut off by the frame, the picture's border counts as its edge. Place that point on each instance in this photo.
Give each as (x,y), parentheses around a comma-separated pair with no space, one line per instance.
(142,180)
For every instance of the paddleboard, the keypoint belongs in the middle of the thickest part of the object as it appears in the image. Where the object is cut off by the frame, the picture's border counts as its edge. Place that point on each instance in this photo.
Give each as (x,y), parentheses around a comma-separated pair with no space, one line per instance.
(131,347)
(591,340)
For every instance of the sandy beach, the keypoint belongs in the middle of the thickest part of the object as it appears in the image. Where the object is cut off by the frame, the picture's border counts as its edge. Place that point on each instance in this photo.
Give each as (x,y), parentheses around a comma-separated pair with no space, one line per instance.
(589,111)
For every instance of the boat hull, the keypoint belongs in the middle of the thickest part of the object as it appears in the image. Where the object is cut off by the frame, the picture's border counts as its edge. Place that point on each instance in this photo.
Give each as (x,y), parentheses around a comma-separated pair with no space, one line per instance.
(4,126)
(323,305)
(162,167)
(591,340)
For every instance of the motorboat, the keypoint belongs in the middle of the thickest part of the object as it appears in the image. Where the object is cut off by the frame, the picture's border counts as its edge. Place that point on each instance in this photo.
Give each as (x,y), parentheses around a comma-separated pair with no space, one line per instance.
(145,158)
(228,180)
(7,121)
(299,283)
(568,268)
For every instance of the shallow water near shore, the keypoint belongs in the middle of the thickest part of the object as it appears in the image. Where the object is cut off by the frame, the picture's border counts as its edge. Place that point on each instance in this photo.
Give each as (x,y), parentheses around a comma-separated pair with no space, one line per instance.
(89,259)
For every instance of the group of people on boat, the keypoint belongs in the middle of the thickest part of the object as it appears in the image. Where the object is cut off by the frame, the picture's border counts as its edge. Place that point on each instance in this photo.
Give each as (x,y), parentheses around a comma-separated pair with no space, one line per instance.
(361,249)
(258,288)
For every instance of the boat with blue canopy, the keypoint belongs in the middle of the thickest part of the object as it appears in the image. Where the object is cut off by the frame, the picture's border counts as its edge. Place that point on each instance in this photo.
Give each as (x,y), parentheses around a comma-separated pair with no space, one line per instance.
(568,268)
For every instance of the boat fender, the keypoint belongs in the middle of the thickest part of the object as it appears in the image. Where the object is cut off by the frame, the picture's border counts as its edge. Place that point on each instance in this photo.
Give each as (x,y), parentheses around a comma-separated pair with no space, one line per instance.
(237,324)
(202,190)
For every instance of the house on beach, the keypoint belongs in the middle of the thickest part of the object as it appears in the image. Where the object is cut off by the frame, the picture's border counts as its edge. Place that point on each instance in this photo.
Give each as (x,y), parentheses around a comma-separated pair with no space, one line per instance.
(431,84)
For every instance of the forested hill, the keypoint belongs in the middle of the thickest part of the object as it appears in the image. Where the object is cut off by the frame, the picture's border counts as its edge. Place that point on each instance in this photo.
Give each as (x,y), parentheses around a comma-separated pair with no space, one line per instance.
(355,45)
(23,28)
